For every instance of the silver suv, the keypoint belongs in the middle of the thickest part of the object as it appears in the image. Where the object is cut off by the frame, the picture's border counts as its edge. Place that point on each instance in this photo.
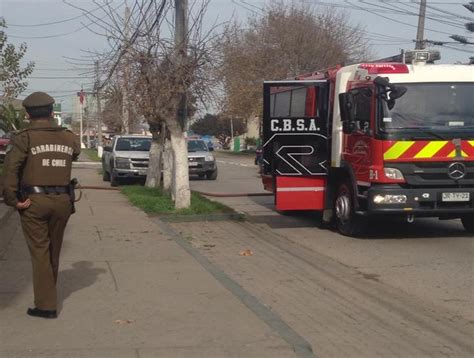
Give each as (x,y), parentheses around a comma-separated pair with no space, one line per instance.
(128,157)
(200,160)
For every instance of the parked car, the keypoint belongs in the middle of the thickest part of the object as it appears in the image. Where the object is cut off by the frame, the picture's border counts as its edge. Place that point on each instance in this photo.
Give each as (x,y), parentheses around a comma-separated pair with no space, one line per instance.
(200,160)
(126,157)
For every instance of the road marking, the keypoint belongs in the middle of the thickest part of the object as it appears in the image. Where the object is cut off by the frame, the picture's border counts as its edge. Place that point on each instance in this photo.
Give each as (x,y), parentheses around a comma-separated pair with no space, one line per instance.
(235,163)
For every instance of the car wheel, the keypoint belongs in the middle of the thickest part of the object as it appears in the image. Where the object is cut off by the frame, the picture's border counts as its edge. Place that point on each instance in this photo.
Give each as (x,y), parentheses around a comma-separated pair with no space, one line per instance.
(114,181)
(468,223)
(212,175)
(347,222)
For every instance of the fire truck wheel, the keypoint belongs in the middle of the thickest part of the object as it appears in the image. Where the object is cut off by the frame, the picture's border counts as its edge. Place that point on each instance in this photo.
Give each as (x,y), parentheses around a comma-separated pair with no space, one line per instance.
(347,222)
(468,223)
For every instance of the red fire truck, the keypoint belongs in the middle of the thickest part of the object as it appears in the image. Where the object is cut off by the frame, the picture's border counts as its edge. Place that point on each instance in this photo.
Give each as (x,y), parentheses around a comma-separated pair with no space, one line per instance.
(372,139)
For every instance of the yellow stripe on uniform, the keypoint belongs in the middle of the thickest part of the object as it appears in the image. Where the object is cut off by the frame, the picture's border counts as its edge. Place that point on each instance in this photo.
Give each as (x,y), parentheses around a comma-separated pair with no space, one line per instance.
(397,150)
(431,149)
(471,142)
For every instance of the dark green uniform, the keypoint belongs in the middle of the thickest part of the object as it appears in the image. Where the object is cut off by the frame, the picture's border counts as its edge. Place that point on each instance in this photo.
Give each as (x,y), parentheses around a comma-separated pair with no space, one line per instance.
(38,166)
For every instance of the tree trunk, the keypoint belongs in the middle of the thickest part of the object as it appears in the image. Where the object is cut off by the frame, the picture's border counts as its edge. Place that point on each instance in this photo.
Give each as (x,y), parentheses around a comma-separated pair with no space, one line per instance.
(153,178)
(182,193)
(167,166)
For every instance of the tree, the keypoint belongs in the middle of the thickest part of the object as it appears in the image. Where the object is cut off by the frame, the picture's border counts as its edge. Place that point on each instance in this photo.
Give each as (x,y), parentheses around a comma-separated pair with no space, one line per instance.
(12,74)
(286,41)
(160,76)
(220,127)
(11,119)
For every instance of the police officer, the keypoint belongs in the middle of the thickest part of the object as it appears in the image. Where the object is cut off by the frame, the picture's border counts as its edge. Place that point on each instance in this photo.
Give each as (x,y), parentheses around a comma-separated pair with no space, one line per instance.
(37,175)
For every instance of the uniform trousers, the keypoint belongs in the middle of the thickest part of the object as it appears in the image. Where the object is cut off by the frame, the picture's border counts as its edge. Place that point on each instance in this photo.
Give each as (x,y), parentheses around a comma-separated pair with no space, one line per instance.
(43,226)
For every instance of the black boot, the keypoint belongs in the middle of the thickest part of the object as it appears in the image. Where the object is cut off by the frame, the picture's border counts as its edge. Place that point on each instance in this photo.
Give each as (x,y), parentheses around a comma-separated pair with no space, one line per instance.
(36,312)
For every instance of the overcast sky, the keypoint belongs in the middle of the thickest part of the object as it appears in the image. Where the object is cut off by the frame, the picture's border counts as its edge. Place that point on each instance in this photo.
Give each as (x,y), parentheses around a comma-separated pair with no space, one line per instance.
(391,25)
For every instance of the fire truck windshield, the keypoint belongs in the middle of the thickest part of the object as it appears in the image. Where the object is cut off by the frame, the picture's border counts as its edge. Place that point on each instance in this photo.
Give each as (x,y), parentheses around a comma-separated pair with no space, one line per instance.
(430,108)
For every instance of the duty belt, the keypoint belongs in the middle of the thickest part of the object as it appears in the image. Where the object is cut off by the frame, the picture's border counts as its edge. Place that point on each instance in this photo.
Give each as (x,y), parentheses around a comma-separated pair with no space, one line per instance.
(45,189)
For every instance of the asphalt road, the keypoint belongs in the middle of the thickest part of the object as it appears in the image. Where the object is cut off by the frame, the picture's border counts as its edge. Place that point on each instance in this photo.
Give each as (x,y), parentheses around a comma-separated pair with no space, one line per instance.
(430,260)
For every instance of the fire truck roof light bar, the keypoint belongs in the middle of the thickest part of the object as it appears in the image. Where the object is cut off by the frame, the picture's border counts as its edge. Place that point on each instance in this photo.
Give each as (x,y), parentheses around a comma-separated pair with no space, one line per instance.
(384,68)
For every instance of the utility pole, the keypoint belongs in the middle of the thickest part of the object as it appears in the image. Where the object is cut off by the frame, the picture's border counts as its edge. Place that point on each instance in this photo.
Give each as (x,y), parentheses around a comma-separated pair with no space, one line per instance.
(420,34)
(98,110)
(126,74)
(181,29)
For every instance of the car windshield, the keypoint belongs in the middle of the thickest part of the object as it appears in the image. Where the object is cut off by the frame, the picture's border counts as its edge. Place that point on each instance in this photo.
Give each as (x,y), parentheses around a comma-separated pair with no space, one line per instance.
(133,144)
(435,106)
(197,146)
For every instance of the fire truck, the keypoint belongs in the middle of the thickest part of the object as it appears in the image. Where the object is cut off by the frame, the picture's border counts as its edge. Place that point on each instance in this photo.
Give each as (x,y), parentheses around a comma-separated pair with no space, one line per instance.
(373,139)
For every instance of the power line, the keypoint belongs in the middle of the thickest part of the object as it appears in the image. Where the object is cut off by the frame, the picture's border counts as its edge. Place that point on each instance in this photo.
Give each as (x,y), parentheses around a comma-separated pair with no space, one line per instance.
(63,34)
(51,23)
(58,78)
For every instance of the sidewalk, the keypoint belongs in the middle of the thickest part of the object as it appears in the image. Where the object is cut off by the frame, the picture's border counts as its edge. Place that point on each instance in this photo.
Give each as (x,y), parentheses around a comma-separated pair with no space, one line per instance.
(126,289)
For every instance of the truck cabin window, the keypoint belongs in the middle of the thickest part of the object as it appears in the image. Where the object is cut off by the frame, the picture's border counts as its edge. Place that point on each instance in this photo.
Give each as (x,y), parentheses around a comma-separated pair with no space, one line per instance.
(436,106)
(362,107)
(293,102)
(133,144)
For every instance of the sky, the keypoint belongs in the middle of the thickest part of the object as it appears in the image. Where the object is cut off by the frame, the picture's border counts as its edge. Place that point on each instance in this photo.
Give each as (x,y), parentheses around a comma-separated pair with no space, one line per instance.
(54,32)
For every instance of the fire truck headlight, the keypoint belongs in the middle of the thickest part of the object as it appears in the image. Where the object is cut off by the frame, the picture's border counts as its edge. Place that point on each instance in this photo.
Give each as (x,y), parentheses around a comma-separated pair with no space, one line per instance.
(390,199)
(393,173)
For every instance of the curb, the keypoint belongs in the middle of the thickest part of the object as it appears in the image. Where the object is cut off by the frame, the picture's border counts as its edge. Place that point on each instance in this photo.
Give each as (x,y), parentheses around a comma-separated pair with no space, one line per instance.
(300,346)
(197,218)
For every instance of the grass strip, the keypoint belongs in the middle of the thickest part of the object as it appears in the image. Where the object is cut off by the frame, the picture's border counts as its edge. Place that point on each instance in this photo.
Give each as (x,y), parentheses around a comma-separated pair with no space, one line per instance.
(155,201)
(92,154)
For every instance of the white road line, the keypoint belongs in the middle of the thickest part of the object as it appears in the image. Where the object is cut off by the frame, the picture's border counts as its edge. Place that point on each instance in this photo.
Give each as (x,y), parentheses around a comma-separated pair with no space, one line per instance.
(235,163)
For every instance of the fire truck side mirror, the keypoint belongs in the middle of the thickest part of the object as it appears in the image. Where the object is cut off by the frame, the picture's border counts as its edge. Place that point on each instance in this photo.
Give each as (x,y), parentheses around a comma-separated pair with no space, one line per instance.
(346,106)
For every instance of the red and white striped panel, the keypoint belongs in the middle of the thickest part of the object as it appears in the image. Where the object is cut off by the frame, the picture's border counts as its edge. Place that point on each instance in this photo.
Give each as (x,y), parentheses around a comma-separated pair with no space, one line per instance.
(300,193)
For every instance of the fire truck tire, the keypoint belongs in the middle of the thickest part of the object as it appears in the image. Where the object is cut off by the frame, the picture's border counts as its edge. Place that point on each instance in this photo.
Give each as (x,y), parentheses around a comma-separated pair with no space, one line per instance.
(347,222)
(468,223)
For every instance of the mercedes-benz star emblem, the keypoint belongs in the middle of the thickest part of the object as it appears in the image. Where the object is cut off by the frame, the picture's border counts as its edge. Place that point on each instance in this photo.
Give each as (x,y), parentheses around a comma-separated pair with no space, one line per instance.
(457,171)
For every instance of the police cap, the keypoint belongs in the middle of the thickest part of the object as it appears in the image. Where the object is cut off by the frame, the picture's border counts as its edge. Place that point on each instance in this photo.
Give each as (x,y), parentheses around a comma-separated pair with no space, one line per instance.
(38,99)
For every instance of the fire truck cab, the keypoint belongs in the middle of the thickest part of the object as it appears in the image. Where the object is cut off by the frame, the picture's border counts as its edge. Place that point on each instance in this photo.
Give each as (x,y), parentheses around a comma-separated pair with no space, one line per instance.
(372,139)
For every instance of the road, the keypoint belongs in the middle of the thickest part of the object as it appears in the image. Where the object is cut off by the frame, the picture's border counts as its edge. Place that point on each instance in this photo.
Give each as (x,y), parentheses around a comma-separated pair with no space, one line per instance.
(430,260)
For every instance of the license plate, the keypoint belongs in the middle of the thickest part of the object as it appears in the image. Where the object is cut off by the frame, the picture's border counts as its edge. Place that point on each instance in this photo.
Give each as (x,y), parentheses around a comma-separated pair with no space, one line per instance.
(456,197)
(142,172)
(193,164)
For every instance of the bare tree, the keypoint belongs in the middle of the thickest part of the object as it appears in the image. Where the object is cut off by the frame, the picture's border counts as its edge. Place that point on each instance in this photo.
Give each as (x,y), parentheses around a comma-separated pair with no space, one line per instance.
(285,41)
(158,79)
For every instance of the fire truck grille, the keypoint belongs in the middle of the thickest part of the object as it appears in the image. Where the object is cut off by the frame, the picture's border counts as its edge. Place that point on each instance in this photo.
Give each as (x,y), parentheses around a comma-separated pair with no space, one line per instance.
(424,174)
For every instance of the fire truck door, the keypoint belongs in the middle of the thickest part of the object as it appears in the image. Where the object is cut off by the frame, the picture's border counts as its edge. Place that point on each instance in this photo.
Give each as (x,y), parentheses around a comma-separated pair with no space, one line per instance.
(295,142)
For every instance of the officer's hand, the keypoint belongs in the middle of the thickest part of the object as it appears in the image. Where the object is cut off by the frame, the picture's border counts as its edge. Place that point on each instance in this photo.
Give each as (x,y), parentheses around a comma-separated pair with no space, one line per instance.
(22,205)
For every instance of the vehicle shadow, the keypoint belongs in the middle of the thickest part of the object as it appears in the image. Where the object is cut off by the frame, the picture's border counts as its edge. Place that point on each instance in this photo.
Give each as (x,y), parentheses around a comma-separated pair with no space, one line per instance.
(379,227)
(81,275)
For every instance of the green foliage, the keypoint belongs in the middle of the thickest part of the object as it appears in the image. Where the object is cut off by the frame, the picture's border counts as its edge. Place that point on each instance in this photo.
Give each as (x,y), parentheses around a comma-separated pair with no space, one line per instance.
(92,154)
(12,74)
(154,201)
(219,127)
(11,119)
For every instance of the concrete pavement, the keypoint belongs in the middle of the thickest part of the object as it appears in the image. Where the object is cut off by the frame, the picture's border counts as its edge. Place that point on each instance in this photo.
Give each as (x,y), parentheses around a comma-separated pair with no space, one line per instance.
(127,289)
